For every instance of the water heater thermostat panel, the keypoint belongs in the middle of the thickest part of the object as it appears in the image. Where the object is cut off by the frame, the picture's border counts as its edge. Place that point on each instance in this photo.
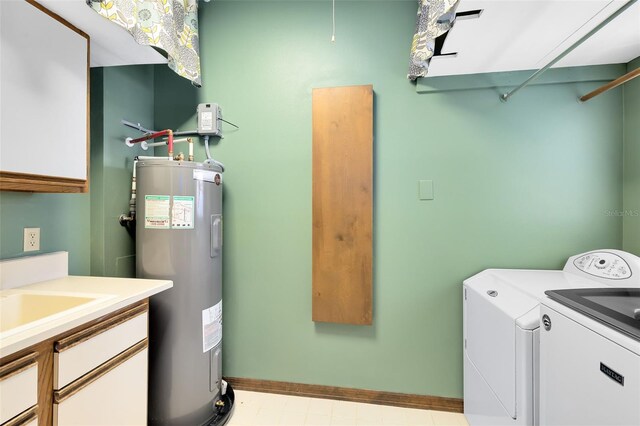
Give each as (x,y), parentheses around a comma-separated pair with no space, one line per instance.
(604,265)
(209,116)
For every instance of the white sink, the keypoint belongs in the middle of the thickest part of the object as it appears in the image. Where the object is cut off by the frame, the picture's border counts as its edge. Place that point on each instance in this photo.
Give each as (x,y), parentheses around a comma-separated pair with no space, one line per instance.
(21,310)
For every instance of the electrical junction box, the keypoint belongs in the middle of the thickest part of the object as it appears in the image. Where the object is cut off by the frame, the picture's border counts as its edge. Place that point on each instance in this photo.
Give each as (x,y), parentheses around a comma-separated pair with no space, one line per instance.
(209,120)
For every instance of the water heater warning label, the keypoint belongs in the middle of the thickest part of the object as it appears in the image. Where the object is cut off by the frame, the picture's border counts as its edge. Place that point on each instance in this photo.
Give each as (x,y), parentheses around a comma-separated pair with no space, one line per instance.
(156,211)
(182,212)
(211,327)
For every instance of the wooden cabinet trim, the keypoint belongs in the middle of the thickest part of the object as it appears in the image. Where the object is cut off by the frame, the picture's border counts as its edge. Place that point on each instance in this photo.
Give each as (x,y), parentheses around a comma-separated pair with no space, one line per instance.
(23,418)
(92,331)
(11,181)
(58,18)
(92,376)
(18,366)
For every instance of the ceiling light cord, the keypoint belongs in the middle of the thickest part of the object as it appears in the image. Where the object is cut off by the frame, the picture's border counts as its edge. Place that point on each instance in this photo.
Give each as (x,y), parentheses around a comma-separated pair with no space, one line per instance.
(333,19)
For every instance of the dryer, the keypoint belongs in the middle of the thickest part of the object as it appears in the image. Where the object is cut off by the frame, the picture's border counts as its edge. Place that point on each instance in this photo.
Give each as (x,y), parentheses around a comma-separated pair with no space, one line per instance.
(501,328)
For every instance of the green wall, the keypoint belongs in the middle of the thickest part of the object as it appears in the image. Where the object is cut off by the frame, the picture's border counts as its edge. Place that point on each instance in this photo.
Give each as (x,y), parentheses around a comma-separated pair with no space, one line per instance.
(518,185)
(86,225)
(631,209)
(63,220)
(117,93)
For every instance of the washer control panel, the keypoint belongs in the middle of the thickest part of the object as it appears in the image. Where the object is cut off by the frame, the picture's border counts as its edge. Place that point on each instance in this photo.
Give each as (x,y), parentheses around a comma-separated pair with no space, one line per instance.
(604,265)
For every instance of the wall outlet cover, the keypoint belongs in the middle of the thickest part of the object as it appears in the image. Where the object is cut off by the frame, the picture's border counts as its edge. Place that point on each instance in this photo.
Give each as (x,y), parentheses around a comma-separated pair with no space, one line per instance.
(425,189)
(31,239)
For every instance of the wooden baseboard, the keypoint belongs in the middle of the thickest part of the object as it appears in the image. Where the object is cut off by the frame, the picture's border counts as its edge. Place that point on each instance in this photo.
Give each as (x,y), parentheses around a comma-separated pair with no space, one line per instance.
(424,402)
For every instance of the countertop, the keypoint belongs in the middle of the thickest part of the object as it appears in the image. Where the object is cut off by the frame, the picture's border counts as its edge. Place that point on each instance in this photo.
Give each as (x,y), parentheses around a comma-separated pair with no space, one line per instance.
(112,293)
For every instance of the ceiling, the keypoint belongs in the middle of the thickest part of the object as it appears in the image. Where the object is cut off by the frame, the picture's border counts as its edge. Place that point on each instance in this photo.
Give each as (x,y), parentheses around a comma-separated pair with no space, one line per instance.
(515,35)
(510,35)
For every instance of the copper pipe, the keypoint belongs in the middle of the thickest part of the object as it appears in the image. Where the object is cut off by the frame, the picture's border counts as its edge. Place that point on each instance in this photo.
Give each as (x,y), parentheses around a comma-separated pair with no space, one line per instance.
(168,133)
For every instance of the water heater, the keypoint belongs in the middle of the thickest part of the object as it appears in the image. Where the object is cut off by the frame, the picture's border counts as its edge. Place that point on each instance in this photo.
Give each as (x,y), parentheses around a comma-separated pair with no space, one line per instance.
(179,237)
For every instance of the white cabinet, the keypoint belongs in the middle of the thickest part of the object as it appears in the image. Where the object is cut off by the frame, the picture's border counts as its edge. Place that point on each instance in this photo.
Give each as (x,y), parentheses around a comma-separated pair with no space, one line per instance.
(100,373)
(44,109)
(114,395)
(18,388)
(26,418)
(86,350)
(111,45)
(94,374)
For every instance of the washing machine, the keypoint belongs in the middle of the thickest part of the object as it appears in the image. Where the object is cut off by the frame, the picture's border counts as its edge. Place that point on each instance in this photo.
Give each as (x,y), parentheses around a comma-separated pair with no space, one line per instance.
(501,328)
(590,357)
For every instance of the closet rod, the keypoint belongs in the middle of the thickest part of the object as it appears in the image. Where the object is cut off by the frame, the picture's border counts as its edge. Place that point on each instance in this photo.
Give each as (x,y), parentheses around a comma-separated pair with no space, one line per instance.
(505,96)
(611,85)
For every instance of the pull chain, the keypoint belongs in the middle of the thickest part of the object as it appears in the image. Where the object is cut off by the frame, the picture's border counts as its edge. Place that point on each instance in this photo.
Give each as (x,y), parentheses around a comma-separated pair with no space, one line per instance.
(333,18)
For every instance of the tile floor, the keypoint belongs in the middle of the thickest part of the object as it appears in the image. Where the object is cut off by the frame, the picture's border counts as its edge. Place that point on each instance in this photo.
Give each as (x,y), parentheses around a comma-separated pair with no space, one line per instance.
(264,409)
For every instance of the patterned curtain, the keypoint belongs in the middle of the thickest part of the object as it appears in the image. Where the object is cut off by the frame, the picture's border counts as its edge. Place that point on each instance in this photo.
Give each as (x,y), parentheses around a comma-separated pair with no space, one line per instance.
(435,17)
(171,25)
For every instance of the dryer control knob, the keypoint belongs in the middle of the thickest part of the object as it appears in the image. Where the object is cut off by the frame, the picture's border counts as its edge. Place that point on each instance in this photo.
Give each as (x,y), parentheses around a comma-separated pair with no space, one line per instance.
(601,264)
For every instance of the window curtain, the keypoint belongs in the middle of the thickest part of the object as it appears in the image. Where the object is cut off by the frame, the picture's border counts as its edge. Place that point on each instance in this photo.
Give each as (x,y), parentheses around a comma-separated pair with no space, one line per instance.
(170,25)
(435,17)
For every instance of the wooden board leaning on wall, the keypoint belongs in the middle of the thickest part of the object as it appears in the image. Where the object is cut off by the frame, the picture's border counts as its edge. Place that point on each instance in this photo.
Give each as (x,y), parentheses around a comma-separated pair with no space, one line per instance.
(342,204)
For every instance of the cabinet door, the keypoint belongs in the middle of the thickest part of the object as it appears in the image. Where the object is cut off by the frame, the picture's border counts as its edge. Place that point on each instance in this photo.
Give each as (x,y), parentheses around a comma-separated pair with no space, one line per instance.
(113,394)
(27,418)
(18,386)
(44,113)
(81,352)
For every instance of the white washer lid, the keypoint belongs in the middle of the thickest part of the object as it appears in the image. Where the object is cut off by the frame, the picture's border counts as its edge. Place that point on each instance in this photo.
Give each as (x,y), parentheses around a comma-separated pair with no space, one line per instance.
(532,282)
(494,289)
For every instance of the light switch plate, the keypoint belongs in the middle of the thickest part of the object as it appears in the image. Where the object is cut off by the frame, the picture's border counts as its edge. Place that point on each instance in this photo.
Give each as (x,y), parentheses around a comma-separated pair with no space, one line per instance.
(31,239)
(425,189)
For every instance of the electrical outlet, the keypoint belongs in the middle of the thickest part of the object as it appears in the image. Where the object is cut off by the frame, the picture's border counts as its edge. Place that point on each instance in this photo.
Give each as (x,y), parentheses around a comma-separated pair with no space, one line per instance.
(31,239)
